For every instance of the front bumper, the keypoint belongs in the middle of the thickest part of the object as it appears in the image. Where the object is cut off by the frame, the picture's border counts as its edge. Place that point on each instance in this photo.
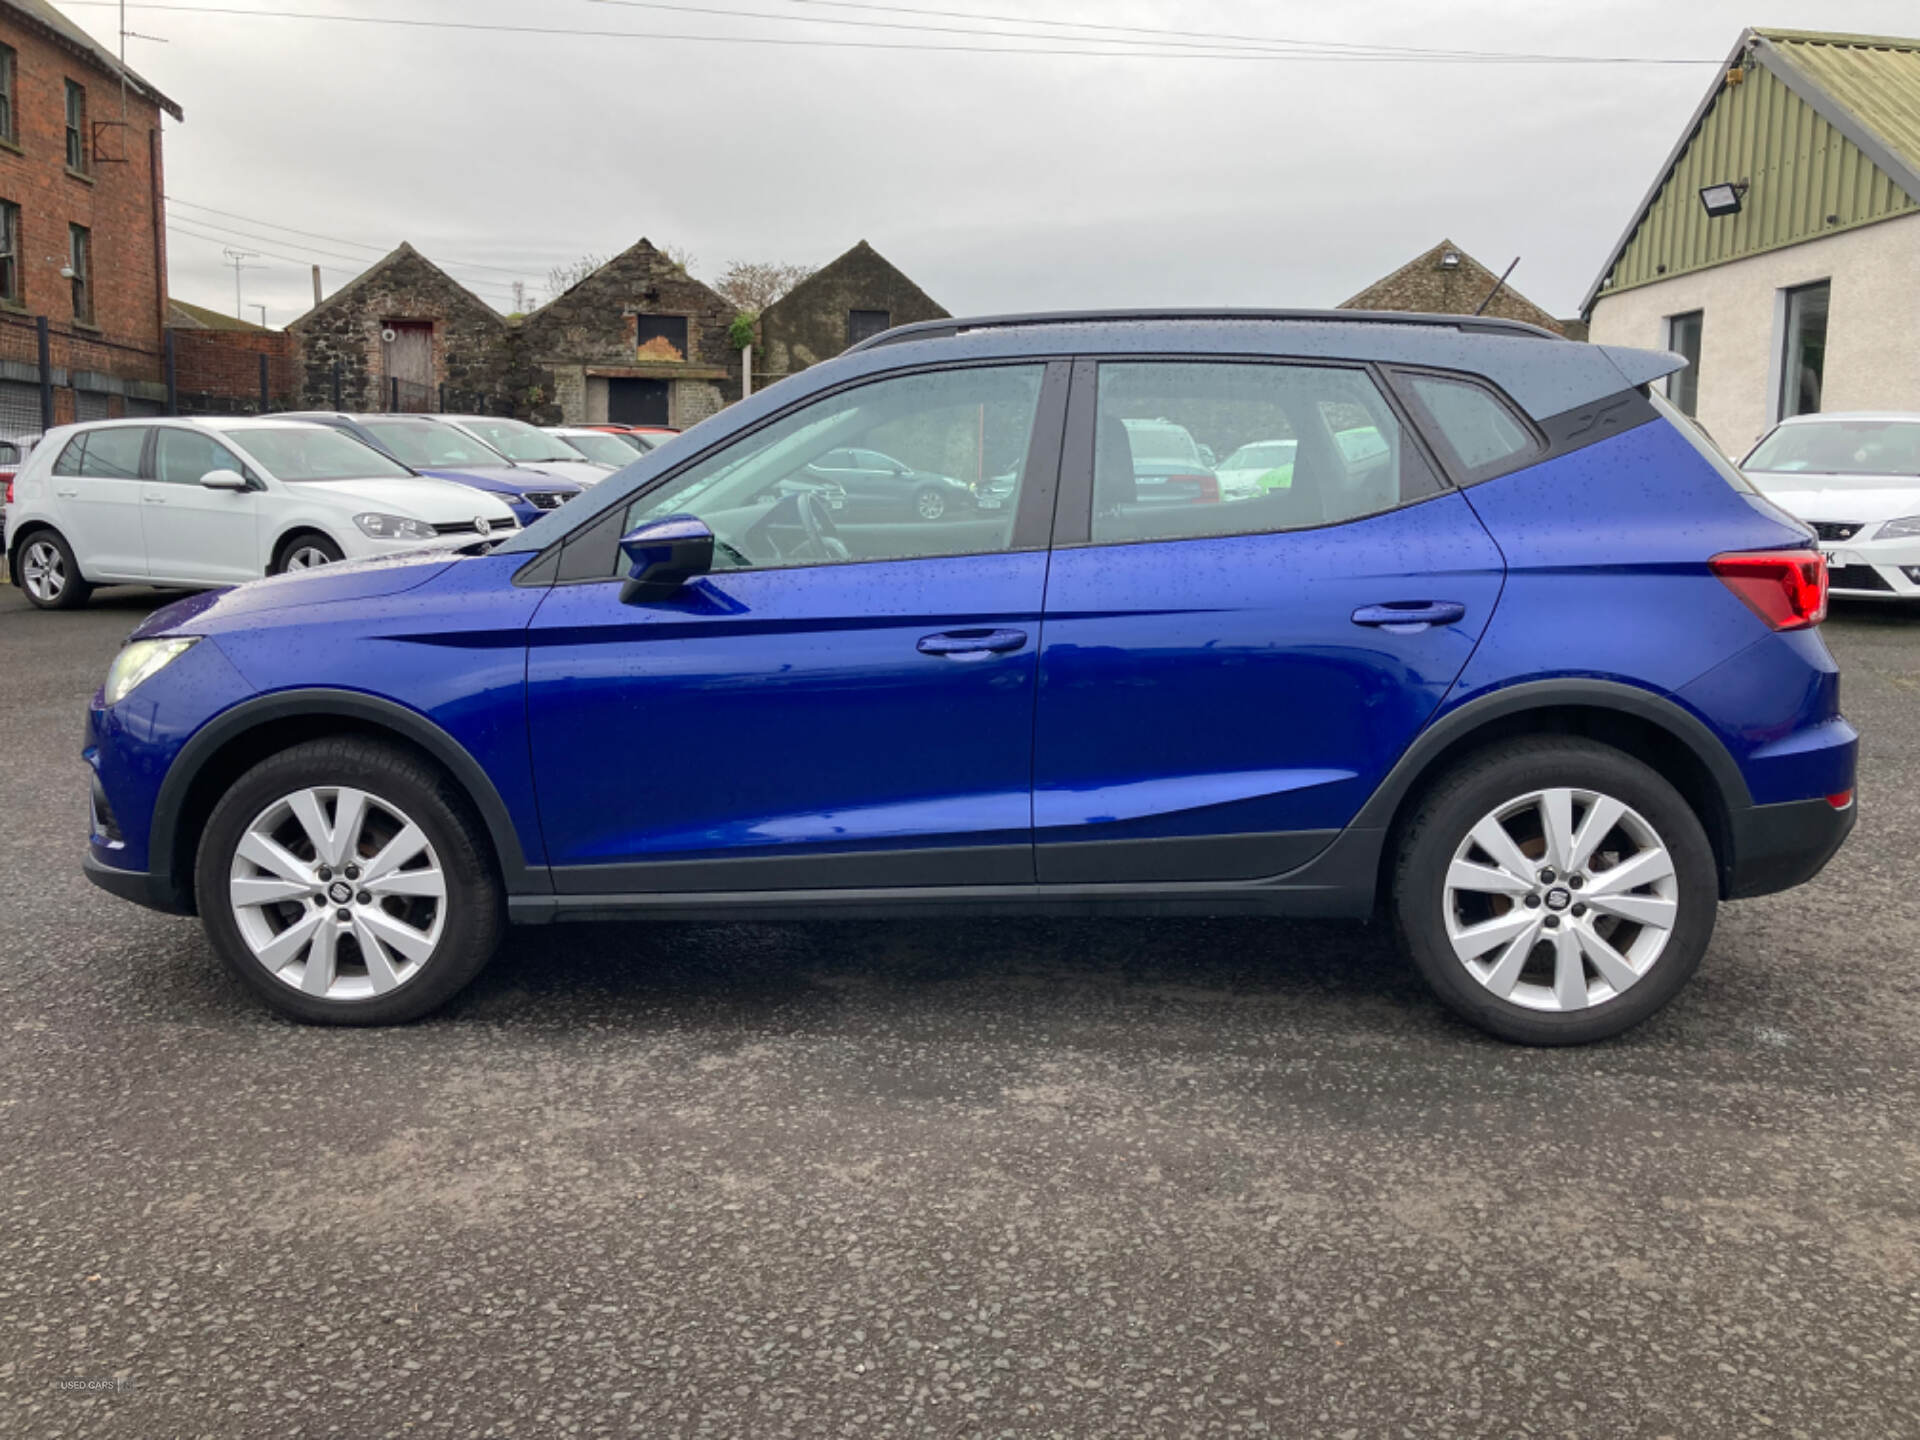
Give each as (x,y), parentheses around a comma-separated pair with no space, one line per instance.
(1873,569)
(1776,847)
(137,886)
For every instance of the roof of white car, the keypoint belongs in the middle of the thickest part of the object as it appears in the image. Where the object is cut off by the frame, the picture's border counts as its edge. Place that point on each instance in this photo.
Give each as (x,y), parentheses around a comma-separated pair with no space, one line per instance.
(1832,416)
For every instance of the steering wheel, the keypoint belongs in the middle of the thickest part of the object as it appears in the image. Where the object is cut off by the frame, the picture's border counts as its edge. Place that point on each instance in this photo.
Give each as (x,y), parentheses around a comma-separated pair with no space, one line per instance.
(805,512)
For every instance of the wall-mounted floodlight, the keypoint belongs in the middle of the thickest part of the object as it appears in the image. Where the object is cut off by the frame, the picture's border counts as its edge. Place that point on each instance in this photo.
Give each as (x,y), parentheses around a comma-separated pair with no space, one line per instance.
(1723,199)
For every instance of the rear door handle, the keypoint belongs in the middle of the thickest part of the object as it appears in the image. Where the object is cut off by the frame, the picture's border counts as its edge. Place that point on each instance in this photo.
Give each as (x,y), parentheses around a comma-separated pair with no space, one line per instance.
(1409,617)
(72,494)
(972,644)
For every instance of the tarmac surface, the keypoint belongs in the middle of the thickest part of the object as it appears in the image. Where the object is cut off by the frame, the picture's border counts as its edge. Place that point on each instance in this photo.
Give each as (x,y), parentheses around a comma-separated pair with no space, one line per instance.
(989,1178)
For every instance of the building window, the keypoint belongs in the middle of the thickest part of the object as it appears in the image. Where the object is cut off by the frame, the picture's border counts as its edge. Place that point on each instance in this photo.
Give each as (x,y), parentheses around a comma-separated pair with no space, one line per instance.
(661,337)
(1683,338)
(865,324)
(1803,360)
(80,261)
(7,71)
(9,252)
(76,127)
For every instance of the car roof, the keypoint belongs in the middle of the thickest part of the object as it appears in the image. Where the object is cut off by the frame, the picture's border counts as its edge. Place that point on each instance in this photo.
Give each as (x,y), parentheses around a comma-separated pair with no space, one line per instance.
(1831,416)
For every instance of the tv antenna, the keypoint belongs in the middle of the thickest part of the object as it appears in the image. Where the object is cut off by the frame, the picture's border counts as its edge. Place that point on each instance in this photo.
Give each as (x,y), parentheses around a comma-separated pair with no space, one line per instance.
(238,259)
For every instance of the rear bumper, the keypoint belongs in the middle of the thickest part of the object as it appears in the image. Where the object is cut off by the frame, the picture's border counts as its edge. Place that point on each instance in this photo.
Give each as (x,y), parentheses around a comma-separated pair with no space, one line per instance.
(1776,847)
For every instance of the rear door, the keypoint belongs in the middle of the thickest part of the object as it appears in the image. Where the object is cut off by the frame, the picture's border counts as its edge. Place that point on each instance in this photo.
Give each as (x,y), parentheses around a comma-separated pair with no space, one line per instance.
(1223,682)
(97,496)
(197,535)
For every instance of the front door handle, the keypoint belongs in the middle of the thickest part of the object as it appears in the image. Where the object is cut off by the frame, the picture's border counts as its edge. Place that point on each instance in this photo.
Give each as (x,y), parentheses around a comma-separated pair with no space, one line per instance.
(972,644)
(1409,617)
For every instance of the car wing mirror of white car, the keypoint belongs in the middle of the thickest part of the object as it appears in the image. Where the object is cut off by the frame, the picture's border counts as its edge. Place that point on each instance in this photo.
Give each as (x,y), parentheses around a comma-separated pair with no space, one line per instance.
(224,479)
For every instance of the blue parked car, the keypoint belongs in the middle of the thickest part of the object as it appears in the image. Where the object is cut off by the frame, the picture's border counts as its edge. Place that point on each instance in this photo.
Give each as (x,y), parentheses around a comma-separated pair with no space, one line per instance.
(1539,680)
(432,448)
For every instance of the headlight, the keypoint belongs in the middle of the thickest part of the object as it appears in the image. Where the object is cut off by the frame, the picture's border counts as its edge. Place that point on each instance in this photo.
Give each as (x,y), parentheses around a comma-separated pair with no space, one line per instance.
(1905,528)
(141,661)
(393,527)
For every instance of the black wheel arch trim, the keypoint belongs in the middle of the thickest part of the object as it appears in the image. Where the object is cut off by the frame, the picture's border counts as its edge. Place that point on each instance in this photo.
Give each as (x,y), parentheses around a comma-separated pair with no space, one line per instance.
(410,725)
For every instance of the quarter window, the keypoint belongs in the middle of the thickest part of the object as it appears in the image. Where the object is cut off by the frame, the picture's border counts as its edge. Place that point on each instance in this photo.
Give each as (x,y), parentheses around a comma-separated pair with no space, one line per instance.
(1481,432)
(770,502)
(1305,445)
(76,127)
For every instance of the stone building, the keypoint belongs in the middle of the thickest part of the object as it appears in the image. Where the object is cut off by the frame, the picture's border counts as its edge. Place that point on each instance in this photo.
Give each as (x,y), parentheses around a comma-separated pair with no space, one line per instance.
(856,296)
(82,222)
(1448,281)
(1778,247)
(405,335)
(637,342)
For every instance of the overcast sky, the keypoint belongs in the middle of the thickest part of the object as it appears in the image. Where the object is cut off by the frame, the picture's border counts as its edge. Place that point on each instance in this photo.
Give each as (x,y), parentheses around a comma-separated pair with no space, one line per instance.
(998,181)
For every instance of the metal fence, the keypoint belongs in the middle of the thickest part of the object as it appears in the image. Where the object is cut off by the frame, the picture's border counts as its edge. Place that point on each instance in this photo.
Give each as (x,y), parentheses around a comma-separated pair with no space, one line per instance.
(41,363)
(395,396)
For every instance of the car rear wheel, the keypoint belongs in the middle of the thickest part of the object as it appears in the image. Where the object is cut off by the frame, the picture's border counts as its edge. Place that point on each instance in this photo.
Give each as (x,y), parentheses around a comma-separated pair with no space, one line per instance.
(305,552)
(346,882)
(1555,891)
(929,504)
(49,574)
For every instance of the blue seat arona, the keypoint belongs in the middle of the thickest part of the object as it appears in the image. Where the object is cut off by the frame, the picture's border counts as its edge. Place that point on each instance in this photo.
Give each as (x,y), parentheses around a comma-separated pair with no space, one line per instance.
(1503,651)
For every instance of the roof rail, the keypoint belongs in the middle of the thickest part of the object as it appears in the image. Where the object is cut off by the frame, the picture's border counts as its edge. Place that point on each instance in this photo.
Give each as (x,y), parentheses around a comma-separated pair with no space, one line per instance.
(947,329)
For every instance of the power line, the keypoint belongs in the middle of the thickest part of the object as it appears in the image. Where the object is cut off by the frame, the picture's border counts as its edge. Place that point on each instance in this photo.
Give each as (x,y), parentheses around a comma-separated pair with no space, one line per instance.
(332,239)
(807,42)
(174,223)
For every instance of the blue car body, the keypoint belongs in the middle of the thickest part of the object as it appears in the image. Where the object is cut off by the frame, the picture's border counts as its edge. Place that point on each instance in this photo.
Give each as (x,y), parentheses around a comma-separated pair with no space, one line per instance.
(1188,725)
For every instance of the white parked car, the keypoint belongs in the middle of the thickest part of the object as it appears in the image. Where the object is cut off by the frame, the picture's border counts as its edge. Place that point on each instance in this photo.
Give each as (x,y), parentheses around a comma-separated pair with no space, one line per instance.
(526,444)
(1244,473)
(1856,480)
(198,503)
(602,447)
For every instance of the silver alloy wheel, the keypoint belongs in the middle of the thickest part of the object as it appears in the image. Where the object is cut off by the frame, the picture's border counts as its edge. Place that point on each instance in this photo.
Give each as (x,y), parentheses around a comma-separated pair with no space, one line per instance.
(931,504)
(43,571)
(307,557)
(1560,900)
(337,893)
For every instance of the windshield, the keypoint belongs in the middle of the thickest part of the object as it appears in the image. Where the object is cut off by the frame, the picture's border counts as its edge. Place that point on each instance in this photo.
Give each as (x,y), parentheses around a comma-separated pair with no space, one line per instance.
(602,448)
(428,446)
(642,443)
(314,452)
(517,440)
(1841,447)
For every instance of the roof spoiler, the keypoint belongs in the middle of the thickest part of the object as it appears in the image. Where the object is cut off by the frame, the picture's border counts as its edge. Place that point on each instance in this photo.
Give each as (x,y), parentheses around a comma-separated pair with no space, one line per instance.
(1643,367)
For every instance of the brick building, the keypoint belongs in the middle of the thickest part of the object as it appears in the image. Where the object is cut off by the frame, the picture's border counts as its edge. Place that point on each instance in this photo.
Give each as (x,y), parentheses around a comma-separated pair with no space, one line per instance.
(402,335)
(224,366)
(1448,281)
(858,295)
(82,221)
(639,341)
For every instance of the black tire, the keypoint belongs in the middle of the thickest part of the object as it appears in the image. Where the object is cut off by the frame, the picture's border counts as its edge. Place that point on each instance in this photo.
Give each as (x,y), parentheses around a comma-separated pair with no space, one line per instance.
(929,503)
(72,590)
(476,908)
(304,540)
(1482,785)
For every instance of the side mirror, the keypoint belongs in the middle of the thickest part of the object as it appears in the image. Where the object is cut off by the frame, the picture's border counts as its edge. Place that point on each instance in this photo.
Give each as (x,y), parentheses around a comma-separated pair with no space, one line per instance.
(663,555)
(224,479)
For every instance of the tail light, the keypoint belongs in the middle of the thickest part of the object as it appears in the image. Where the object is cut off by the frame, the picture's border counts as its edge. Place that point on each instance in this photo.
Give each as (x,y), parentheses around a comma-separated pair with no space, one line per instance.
(9,499)
(1206,486)
(1785,588)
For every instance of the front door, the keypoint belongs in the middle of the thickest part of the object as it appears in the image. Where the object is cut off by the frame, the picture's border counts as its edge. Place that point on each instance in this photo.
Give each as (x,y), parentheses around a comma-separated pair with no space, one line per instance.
(1223,682)
(409,365)
(97,498)
(637,402)
(827,708)
(195,534)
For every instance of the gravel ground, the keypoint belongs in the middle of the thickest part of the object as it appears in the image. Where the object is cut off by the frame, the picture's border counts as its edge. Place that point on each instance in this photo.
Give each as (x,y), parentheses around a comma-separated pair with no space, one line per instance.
(986,1178)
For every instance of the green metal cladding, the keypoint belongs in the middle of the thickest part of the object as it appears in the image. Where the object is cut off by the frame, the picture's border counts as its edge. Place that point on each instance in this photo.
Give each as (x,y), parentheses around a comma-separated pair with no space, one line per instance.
(1806,178)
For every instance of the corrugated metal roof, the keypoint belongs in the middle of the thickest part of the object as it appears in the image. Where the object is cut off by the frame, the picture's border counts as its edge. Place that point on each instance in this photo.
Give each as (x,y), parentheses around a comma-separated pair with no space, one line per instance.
(1825,131)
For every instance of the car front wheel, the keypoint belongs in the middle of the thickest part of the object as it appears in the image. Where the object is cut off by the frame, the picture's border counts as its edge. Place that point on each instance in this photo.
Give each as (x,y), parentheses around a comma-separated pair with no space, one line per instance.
(1555,891)
(305,552)
(346,882)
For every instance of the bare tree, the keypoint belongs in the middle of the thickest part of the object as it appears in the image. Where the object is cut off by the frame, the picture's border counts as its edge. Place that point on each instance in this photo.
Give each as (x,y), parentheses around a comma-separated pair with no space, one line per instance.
(563,278)
(680,256)
(752,285)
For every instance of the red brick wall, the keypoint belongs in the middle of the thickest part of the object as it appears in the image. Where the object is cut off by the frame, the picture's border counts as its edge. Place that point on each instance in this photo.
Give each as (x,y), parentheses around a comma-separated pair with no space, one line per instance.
(216,365)
(118,200)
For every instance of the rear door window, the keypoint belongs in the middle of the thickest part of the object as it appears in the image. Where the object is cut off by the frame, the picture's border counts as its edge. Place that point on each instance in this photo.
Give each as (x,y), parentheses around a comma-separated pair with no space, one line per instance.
(114,454)
(1307,445)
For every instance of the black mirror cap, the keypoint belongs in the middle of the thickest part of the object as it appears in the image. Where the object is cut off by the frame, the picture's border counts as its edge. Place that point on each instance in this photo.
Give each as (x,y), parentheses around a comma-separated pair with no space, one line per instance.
(663,555)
